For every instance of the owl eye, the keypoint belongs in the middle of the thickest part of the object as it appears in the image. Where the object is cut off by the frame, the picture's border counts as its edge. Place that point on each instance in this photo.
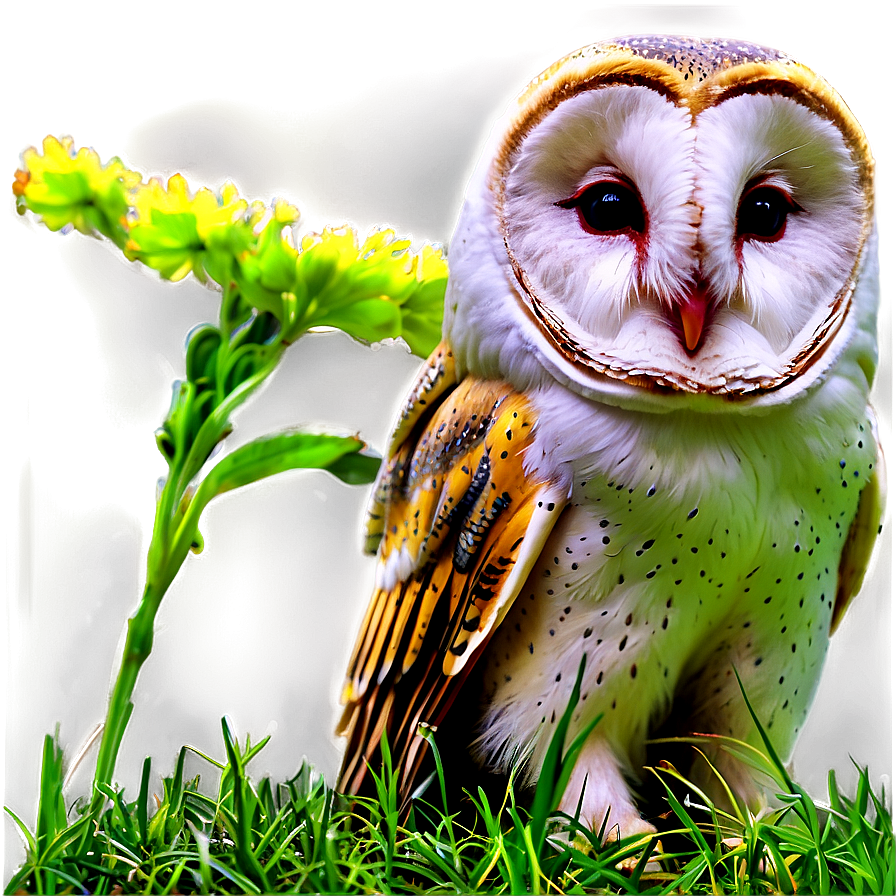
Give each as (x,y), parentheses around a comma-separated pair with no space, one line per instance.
(607,207)
(763,214)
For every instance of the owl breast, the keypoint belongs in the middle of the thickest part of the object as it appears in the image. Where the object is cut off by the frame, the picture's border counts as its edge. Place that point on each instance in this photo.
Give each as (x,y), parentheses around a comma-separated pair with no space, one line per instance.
(693,547)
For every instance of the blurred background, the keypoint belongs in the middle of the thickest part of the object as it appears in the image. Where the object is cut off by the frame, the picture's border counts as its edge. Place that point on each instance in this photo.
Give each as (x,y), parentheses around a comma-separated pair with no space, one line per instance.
(363,113)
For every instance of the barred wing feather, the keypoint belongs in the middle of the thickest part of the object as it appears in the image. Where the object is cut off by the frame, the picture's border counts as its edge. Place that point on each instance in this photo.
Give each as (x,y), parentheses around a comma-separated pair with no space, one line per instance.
(459,521)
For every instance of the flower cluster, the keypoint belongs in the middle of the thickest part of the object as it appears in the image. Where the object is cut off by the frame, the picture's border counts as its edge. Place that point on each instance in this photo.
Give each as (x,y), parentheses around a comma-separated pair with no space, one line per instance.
(373,289)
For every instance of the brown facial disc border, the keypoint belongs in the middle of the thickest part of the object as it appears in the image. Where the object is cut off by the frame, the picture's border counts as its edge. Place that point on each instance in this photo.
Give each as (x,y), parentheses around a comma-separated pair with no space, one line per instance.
(613,63)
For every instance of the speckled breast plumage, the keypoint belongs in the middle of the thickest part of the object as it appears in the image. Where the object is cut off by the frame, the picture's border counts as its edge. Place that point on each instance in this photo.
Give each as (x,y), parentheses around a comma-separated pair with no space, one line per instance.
(670,585)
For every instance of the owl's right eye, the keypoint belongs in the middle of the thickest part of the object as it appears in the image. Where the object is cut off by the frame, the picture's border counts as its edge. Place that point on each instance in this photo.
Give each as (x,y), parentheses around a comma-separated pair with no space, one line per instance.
(607,207)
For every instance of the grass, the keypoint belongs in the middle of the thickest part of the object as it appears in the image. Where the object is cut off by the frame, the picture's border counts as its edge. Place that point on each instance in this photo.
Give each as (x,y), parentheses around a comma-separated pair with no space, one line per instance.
(299,836)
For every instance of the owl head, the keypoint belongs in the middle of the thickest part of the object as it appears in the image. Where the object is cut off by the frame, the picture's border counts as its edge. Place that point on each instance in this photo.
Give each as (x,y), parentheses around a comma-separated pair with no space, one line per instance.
(662,222)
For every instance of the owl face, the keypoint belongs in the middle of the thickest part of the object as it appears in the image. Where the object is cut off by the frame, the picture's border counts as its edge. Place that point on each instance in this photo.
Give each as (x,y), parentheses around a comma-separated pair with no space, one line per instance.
(667,218)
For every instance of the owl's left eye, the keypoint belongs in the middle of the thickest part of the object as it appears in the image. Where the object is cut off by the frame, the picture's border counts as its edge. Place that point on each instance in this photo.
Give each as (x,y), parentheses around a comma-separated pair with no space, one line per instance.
(607,207)
(763,214)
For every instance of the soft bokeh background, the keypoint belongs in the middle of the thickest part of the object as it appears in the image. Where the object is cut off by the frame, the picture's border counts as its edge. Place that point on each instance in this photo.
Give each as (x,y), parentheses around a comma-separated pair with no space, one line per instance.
(367,113)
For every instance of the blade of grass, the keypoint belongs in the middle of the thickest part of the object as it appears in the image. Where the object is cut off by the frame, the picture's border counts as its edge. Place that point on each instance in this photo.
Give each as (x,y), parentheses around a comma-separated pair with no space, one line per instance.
(143,799)
(27,836)
(242,831)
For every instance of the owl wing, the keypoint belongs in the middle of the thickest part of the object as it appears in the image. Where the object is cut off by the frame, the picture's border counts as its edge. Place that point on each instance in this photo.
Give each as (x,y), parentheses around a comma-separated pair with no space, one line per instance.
(458,521)
(859,544)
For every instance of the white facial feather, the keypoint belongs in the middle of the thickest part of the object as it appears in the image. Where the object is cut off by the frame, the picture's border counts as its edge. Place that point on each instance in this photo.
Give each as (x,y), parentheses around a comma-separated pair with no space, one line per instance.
(779,285)
(599,279)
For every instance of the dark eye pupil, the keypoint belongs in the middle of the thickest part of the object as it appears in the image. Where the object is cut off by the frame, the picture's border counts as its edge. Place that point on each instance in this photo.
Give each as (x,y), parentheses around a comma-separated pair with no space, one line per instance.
(763,213)
(610,208)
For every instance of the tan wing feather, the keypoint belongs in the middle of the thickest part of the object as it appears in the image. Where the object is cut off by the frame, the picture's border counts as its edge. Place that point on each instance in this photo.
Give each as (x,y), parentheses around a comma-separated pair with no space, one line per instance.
(860,542)
(436,377)
(462,523)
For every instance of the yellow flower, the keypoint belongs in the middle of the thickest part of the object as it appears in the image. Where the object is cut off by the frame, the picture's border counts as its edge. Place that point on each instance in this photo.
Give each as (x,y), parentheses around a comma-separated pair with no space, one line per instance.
(431,264)
(68,188)
(284,213)
(208,209)
(59,158)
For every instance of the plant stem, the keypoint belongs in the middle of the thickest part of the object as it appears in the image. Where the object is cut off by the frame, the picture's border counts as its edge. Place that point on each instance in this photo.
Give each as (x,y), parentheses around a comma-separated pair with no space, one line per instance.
(137,647)
(165,560)
(174,531)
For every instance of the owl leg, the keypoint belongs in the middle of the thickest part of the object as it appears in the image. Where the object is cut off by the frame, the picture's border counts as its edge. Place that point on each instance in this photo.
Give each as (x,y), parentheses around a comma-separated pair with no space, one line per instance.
(598,781)
(736,774)
(780,707)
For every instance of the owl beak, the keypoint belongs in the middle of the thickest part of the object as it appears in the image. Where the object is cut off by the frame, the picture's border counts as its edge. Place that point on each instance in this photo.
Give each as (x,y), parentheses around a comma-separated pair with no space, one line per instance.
(693,312)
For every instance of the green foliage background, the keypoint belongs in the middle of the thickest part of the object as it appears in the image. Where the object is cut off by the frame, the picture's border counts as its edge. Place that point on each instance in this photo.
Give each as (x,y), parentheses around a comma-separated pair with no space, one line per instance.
(367,120)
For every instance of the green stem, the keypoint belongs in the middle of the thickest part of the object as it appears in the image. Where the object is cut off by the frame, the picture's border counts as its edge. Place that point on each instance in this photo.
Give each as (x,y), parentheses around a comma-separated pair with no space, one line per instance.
(162,567)
(174,531)
(137,647)
(171,542)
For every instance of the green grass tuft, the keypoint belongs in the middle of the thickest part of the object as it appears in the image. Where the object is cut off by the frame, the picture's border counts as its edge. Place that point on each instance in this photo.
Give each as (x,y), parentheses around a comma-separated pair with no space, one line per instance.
(300,836)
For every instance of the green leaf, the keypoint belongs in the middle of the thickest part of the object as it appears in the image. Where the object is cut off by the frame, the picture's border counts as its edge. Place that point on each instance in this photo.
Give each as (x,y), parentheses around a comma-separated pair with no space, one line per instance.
(168,244)
(421,316)
(66,188)
(557,767)
(242,363)
(51,808)
(318,265)
(223,245)
(263,329)
(143,799)
(202,405)
(369,319)
(27,836)
(356,469)
(172,437)
(262,298)
(167,230)
(243,803)
(229,240)
(269,455)
(112,214)
(276,260)
(202,347)
(220,421)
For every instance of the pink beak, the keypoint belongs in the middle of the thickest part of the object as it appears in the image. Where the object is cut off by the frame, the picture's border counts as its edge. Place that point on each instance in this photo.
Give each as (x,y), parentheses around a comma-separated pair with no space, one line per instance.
(693,311)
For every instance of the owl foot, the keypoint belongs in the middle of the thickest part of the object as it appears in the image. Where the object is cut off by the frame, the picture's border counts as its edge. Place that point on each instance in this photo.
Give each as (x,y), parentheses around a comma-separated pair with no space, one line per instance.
(565,839)
(627,866)
(646,829)
(598,793)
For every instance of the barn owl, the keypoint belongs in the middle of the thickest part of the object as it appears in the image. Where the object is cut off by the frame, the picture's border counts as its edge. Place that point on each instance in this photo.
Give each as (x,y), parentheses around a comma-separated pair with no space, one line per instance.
(645,438)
